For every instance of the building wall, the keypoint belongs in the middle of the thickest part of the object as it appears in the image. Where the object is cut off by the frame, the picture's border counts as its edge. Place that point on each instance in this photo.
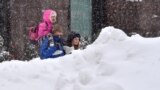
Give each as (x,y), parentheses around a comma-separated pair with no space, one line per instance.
(140,17)
(25,13)
(81,17)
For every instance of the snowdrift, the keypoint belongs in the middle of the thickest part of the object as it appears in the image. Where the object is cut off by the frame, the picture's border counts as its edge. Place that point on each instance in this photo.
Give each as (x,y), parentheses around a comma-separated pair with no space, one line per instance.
(113,62)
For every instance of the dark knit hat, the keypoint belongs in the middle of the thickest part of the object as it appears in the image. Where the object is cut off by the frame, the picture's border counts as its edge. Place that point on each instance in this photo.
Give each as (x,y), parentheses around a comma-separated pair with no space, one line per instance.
(71,36)
(76,35)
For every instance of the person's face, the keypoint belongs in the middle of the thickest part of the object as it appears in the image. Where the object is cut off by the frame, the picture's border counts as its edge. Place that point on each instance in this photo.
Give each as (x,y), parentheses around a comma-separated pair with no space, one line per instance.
(76,41)
(53,19)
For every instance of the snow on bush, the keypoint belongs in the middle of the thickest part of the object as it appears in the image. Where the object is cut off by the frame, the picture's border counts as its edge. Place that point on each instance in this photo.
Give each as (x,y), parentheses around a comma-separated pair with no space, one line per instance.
(113,62)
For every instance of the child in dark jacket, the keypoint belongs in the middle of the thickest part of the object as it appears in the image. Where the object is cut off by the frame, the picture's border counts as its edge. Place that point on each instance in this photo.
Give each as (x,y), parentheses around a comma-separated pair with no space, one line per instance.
(52,45)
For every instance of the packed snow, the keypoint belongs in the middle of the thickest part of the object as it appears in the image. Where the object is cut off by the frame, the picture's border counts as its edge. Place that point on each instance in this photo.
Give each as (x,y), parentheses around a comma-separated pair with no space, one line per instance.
(113,62)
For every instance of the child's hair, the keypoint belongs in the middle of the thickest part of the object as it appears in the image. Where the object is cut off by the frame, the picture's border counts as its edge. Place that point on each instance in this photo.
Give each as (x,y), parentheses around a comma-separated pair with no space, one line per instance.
(57,28)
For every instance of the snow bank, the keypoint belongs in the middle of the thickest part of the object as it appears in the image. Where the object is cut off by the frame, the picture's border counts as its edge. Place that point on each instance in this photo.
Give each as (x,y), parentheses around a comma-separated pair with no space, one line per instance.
(113,62)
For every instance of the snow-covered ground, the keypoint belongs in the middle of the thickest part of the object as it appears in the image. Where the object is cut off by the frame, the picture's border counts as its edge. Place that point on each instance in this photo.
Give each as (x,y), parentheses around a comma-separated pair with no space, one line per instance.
(113,62)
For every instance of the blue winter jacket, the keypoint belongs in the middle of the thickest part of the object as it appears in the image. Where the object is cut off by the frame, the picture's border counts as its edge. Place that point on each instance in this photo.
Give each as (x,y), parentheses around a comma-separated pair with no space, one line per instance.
(51,51)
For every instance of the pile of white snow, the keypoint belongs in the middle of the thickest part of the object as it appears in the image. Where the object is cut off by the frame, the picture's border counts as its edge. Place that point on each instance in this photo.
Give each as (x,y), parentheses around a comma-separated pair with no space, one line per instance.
(113,62)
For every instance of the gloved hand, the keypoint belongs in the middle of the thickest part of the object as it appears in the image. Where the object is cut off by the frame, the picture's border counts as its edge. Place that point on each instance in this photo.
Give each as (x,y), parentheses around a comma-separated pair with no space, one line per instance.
(58,45)
(57,39)
(58,42)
